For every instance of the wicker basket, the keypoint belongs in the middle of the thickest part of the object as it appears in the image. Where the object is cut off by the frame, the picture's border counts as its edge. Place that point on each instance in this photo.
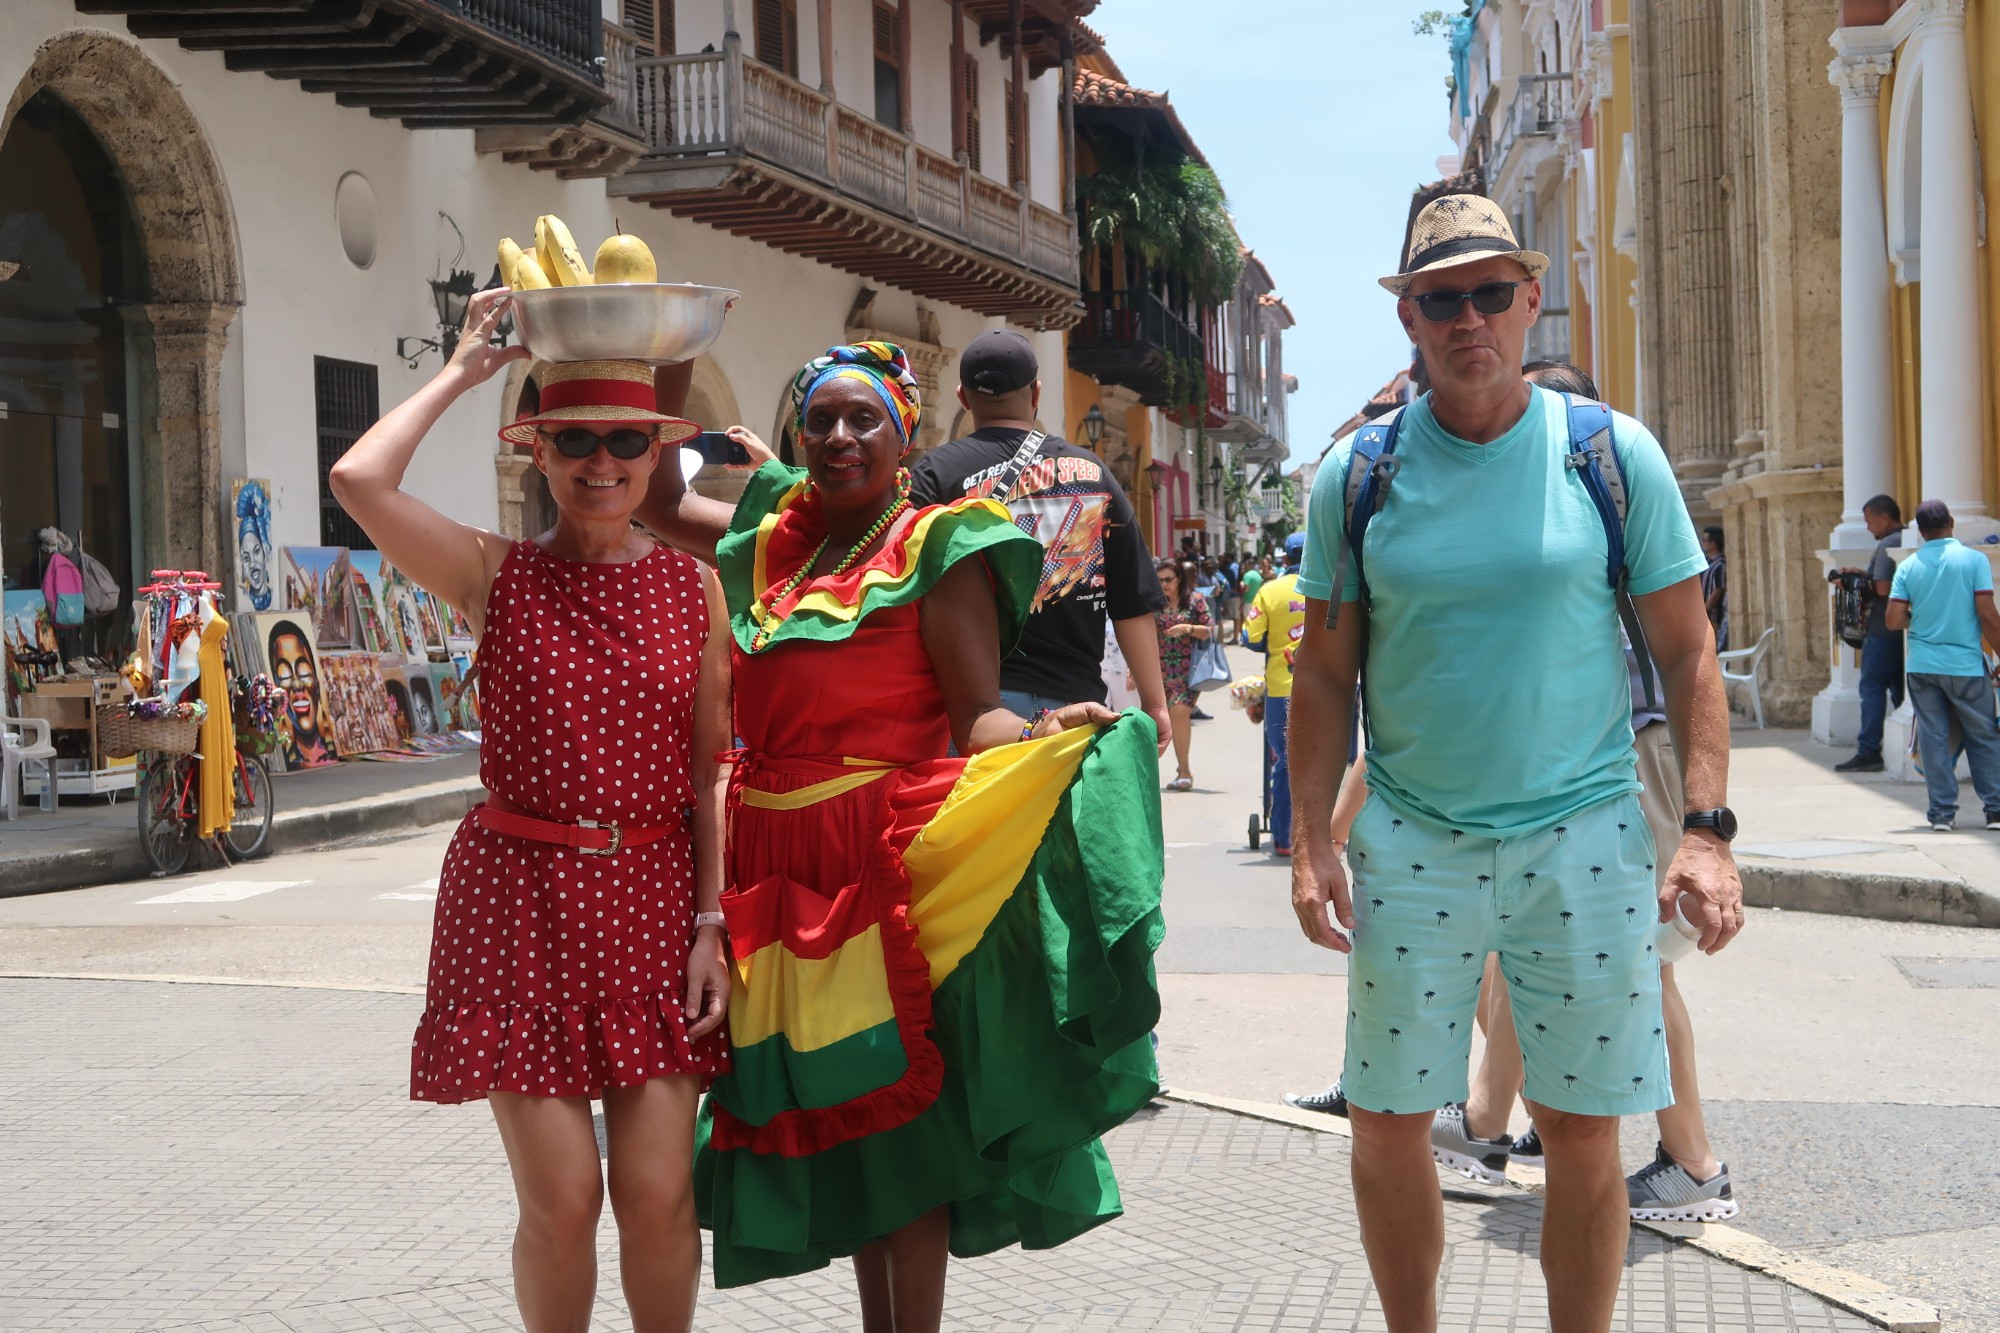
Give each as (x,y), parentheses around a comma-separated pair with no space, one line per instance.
(120,735)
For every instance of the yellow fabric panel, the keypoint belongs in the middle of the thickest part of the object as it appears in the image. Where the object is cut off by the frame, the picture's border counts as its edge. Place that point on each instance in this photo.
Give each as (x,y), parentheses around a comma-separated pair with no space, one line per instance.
(967,860)
(811,1002)
(813,795)
(217,806)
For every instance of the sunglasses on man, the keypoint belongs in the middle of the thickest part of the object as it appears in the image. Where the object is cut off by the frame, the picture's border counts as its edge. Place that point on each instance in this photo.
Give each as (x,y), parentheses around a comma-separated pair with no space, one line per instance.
(1488,298)
(579,443)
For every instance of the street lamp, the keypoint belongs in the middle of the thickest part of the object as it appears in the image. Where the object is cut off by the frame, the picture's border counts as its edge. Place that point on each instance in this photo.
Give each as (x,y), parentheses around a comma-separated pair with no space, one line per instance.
(451,296)
(1093,425)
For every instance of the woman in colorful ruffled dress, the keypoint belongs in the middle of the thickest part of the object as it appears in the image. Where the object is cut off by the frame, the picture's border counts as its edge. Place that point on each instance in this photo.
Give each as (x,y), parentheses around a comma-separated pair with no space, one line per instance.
(943,965)
(577,952)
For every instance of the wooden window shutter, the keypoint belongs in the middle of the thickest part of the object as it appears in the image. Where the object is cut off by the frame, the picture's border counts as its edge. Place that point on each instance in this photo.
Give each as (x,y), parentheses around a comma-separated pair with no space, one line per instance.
(972,112)
(885,36)
(778,35)
(1013,135)
(637,15)
(888,65)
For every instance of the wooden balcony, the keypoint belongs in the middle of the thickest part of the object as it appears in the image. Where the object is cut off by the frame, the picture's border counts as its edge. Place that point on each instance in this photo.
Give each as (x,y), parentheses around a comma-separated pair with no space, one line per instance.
(428,63)
(738,145)
(603,144)
(1131,338)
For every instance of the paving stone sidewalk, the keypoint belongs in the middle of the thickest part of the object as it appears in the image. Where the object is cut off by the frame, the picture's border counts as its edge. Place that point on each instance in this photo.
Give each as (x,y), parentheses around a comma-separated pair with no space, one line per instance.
(222,1159)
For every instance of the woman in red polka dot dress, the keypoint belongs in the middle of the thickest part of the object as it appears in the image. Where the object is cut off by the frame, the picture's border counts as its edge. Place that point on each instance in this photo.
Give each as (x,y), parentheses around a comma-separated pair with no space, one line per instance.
(577,951)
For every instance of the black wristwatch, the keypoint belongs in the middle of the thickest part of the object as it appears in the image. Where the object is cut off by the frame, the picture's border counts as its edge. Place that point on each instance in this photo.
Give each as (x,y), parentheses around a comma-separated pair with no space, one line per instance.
(1721,819)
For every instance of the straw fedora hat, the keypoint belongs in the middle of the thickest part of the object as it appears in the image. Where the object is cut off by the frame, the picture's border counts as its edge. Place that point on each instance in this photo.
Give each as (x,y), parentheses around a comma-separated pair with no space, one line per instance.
(1459,229)
(598,393)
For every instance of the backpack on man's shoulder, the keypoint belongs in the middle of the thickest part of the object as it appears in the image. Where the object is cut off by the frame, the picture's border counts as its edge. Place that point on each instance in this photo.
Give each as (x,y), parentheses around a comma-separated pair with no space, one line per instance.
(1371,473)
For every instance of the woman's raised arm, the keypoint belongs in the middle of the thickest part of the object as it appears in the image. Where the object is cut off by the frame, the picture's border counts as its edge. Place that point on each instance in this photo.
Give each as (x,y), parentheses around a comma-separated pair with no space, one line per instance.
(453,560)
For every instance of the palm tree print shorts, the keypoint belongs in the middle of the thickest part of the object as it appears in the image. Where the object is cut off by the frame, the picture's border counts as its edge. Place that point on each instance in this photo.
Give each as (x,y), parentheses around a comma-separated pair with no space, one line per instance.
(1570,909)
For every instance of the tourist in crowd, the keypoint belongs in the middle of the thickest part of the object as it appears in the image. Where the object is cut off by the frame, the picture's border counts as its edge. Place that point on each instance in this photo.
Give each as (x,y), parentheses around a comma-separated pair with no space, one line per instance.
(1715,585)
(1504,815)
(578,950)
(936,1102)
(1275,624)
(1943,595)
(1881,647)
(1183,626)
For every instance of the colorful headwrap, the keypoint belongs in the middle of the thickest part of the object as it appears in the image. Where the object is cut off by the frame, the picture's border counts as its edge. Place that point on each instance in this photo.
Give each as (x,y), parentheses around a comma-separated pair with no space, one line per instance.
(885,367)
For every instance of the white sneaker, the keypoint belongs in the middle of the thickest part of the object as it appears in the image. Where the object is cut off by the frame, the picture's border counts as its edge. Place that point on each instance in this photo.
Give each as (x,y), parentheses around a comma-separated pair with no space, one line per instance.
(1663,1191)
(1940,826)
(1484,1160)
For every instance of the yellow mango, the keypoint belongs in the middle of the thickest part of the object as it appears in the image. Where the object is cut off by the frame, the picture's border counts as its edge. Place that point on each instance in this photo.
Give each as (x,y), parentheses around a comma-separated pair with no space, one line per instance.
(625,258)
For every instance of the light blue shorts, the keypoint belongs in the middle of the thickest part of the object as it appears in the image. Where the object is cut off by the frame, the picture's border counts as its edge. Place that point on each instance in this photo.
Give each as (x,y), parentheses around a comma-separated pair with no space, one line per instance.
(1571,911)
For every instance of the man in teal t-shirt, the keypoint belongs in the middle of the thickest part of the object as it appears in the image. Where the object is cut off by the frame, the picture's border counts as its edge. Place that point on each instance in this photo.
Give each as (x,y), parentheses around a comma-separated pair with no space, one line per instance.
(1943,594)
(1500,751)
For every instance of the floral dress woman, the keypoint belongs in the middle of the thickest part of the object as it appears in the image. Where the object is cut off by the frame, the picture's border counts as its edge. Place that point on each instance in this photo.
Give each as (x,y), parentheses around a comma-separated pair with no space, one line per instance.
(1177,650)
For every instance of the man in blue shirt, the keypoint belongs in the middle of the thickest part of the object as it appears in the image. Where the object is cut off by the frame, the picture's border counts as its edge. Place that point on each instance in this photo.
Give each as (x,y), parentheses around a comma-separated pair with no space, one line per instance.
(1943,595)
(1500,751)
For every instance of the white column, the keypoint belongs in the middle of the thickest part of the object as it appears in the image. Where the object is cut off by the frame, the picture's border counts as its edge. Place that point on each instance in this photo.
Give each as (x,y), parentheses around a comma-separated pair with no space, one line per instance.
(1867,400)
(1953,453)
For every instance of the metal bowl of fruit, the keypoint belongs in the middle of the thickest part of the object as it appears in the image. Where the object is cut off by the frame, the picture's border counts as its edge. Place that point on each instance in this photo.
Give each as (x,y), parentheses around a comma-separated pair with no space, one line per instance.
(660,322)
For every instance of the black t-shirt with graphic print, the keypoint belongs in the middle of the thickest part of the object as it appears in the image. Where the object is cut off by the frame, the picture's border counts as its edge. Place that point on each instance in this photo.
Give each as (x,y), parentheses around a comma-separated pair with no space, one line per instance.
(1094,561)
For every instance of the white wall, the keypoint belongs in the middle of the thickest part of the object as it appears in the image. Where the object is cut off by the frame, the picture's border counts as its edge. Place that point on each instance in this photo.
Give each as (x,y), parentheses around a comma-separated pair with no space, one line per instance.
(281,152)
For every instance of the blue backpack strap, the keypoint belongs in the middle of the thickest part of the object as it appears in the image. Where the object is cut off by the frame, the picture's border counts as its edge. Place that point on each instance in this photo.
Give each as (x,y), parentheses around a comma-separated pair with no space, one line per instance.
(1371,469)
(1594,458)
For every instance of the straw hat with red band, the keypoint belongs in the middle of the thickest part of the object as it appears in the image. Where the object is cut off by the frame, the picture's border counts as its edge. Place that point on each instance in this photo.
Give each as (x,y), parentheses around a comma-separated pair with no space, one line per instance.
(598,393)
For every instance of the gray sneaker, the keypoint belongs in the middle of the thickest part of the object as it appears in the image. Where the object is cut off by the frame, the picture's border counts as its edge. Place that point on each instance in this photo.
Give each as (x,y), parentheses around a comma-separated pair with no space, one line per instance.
(1663,1191)
(1484,1160)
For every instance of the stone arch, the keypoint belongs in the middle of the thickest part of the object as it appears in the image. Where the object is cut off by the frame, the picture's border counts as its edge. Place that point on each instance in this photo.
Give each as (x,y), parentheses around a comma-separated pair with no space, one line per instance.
(711,400)
(525,507)
(1905,167)
(175,189)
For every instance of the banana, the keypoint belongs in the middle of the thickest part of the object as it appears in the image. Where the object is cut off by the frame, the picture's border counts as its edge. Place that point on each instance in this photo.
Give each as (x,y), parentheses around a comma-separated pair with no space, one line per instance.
(510,255)
(527,275)
(556,250)
(625,258)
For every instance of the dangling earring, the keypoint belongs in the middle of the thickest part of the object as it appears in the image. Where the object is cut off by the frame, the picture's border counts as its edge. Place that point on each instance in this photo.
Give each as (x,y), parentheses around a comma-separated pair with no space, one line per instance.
(903,482)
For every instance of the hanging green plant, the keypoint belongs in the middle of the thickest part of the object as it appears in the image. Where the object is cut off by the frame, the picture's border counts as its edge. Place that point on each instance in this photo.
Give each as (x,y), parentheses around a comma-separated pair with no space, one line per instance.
(1172,215)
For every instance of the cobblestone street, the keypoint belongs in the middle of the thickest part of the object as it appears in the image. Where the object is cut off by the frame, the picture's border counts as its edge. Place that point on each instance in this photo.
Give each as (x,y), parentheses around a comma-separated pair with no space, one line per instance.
(242,1159)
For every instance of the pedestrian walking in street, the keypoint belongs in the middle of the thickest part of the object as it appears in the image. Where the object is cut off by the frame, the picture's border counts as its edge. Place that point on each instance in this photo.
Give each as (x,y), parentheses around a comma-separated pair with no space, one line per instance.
(1882,647)
(1943,595)
(938,1100)
(1275,624)
(1505,815)
(577,952)
(1715,585)
(1253,579)
(1095,563)
(1183,626)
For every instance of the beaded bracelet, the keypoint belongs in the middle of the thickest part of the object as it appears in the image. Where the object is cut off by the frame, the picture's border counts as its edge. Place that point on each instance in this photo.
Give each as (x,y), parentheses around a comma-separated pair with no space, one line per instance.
(1028,729)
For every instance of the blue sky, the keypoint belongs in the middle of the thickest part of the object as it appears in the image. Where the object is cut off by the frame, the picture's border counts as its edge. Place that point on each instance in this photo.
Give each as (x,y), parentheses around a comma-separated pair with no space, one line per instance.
(1320,116)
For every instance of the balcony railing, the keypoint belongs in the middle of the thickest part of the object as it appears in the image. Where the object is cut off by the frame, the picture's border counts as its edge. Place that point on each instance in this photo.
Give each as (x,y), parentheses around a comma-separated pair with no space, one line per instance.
(1548,340)
(1541,104)
(1133,338)
(567,31)
(716,104)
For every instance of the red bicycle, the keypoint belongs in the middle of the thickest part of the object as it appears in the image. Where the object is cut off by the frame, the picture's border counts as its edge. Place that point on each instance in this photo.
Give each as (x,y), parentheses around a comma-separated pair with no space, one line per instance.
(168,801)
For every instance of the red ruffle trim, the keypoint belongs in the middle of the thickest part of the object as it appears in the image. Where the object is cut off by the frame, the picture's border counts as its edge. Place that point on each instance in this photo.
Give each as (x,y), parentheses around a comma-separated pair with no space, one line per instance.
(464,1050)
(808,1130)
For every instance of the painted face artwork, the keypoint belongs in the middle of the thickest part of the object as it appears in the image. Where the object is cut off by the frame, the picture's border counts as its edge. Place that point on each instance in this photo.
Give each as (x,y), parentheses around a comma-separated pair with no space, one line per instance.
(296,672)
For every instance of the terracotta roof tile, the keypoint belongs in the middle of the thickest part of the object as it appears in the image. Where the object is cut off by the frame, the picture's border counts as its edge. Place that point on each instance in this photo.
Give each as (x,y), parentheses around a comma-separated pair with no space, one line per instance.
(1094,89)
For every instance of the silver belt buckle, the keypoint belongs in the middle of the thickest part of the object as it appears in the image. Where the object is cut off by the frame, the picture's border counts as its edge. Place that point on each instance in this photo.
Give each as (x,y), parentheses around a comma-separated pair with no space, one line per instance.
(617,838)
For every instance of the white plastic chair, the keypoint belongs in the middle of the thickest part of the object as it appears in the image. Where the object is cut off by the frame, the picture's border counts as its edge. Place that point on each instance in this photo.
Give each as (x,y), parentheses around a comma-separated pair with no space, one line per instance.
(1750,659)
(31,746)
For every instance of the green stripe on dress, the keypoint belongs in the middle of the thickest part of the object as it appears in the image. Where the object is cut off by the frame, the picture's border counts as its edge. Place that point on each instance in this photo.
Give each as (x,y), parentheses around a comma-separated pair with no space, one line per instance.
(769,1077)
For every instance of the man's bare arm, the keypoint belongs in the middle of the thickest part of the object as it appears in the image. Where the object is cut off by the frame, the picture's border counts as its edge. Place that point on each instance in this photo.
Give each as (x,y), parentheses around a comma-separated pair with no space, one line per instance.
(1896,615)
(1318,731)
(1989,618)
(683,519)
(1683,648)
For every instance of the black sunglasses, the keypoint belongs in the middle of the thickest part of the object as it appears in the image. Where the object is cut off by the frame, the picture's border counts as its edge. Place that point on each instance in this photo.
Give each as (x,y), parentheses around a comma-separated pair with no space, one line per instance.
(579,443)
(1488,298)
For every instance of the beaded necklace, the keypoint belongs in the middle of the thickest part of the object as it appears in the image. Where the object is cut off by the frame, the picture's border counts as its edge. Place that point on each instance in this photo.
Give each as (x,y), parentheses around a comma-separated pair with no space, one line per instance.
(765,624)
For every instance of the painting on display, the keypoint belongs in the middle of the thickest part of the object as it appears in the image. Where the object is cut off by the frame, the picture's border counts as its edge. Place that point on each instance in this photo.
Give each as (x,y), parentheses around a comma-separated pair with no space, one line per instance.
(30,638)
(319,581)
(250,502)
(364,716)
(431,612)
(280,643)
(415,698)
(458,692)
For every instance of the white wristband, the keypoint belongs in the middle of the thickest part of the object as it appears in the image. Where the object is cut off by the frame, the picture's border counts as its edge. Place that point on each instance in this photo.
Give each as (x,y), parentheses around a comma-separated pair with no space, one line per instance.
(715,919)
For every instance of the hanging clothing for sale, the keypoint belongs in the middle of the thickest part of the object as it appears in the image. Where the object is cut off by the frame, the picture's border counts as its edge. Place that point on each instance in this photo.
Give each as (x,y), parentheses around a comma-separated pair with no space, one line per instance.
(217,804)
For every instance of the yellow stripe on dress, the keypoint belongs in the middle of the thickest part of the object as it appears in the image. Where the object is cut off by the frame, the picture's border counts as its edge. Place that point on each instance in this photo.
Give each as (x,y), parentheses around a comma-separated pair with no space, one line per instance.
(969,858)
(811,1002)
(817,792)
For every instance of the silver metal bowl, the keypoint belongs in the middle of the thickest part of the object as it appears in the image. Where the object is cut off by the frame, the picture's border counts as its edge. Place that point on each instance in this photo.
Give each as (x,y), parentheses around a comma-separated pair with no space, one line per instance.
(660,322)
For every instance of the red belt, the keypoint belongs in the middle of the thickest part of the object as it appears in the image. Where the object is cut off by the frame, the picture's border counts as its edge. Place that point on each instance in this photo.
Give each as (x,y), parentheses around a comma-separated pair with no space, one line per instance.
(589,836)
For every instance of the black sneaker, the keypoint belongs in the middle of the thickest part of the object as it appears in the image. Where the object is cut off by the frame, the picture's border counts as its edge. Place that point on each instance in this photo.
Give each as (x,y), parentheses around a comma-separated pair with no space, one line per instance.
(1199,716)
(1860,763)
(1330,1102)
(1993,819)
(1528,1149)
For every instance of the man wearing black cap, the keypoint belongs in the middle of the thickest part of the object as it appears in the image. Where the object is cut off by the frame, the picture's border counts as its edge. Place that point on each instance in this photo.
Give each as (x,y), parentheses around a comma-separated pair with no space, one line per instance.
(1096,564)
